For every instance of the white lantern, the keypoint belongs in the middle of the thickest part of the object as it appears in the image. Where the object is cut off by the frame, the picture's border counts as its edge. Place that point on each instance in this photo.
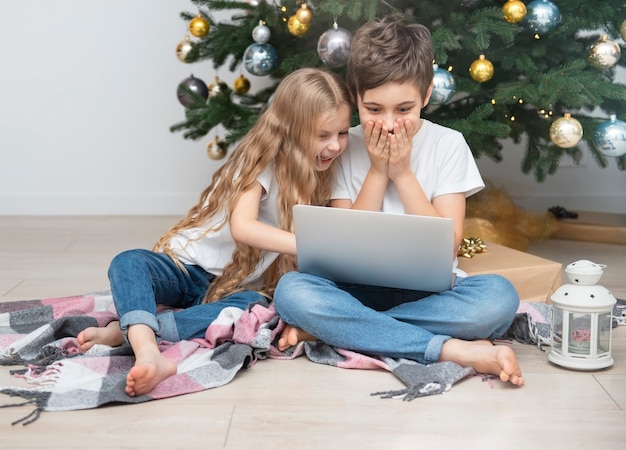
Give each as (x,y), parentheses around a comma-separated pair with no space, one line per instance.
(582,313)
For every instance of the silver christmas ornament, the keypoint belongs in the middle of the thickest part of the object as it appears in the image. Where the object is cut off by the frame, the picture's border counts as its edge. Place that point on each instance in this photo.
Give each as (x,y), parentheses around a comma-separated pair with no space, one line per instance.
(610,137)
(187,87)
(604,54)
(260,59)
(261,34)
(542,16)
(183,48)
(444,86)
(333,46)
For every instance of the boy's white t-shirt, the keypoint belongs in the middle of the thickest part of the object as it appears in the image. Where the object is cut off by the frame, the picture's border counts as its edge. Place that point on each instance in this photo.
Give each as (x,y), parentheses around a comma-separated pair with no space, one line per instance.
(215,250)
(441,160)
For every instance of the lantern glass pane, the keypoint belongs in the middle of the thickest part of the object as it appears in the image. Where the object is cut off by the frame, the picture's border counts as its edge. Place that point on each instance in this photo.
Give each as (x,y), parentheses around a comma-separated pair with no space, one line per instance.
(604,333)
(557,330)
(579,333)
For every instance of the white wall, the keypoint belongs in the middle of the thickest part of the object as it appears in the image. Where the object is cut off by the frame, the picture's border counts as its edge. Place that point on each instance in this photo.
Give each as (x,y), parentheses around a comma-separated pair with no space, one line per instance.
(88,94)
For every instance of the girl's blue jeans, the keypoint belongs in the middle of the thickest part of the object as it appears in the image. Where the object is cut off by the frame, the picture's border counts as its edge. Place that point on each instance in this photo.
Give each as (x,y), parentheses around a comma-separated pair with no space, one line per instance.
(397,323)
(142,279)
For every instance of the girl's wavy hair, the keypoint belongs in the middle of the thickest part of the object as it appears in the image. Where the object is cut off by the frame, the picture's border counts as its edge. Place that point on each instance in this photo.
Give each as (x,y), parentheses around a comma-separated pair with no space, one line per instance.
(390,49)
(284,135)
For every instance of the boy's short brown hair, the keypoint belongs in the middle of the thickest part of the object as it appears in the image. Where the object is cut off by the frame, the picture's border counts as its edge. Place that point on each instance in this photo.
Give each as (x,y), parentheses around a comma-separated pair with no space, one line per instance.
(390,50)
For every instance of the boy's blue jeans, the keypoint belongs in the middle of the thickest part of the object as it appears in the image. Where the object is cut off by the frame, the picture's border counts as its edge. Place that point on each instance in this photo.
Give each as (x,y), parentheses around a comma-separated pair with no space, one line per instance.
(141,279)
(397,323)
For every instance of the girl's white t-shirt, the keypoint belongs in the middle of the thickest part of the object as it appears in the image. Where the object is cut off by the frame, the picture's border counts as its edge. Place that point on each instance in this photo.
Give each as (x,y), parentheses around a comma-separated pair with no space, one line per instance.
(214,251)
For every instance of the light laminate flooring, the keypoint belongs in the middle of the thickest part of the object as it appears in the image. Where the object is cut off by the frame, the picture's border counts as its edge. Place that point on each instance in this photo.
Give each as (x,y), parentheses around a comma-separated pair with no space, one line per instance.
(299,404)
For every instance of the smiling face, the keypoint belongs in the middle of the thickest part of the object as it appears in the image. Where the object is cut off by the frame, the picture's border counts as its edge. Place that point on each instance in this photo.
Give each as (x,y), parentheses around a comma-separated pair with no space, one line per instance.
(392,101)
(332,137)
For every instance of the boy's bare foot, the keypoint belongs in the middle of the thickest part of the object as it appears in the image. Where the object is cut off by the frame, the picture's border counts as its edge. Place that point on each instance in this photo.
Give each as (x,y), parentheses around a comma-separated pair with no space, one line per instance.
(110,335)
(290,336)
(149,370)
(484,357)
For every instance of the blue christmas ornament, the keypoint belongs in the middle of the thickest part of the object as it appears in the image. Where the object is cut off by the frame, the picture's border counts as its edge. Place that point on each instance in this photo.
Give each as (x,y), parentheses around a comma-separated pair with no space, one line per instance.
(260,59)
(444,86)
(610,137)
(542,16)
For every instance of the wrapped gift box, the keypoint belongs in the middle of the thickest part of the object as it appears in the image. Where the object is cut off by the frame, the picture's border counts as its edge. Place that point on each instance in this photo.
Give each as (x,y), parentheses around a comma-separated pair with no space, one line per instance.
(534,278)
(593,227)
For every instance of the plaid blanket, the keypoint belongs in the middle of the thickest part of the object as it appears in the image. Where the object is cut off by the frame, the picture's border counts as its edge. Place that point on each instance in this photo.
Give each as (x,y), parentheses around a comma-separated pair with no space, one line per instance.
(40,336)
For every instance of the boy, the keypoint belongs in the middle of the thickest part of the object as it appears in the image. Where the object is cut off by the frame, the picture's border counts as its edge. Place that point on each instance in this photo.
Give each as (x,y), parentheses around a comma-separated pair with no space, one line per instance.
(398,162)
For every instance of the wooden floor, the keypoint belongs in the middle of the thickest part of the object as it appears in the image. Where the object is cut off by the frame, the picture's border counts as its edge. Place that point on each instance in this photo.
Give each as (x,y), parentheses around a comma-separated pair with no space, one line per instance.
(298,404)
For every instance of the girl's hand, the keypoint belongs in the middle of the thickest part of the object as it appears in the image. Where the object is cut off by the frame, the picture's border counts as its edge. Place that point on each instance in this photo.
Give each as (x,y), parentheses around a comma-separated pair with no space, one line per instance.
(378,144)
(401,145)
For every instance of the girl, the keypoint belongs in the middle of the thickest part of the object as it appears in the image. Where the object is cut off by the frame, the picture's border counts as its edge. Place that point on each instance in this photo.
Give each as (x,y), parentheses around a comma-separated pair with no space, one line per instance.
(232,247)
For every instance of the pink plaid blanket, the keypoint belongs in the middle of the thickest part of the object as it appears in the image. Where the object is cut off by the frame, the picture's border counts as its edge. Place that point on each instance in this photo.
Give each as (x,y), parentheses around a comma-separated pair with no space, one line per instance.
(39,336)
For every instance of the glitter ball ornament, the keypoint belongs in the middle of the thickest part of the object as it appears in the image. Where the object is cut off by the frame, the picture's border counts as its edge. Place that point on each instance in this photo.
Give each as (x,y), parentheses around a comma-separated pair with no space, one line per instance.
(304,14)
(444,86)
(241,85)
(183,48)
(191,84)
(566,131)
(514,11)
(333,46)
(604,54)
(296,27)
(261,33)
(610,137)
(217,87)
(199,26)
(481,70)
(260,59)
(542,16)
(216,149)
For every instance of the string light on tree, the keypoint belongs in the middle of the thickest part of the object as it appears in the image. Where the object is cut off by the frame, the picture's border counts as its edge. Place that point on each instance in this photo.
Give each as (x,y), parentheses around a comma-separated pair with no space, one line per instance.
(333,46)
(610,137)
(481,69)
(514,11)
(444,86)
(199,26)
(566,132)
(604,54)
(542,16)
(183,48)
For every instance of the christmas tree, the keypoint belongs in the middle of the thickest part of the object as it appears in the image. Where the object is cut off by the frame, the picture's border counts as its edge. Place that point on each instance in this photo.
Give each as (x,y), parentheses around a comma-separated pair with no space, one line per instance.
(539,72)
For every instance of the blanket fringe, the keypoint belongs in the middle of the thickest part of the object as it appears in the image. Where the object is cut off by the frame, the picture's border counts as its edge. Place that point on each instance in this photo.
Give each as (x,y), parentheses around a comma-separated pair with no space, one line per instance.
(413,392)
(33,398)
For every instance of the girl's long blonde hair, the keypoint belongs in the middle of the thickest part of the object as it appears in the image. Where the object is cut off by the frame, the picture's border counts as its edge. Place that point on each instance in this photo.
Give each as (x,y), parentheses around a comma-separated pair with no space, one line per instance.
(283,135)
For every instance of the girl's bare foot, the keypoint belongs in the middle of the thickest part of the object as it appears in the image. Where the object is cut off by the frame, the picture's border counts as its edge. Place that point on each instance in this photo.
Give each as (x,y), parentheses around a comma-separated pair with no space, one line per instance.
(499,360)
(151,367)
(290,336)
(110,335)
(149,370)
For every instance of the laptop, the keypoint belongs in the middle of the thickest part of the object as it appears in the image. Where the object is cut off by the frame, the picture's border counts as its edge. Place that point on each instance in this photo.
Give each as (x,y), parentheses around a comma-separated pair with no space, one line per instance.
(375,248)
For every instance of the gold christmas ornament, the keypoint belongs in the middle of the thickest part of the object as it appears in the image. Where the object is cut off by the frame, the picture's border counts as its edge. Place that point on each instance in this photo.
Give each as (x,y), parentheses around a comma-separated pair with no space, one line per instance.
(199,26)
(566,131)
(514,11)
(604,54)
(241,85)
(217,87)
(296,27)
(622,30)
(481,70)
(304,14)
(183,48)
(216,149)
